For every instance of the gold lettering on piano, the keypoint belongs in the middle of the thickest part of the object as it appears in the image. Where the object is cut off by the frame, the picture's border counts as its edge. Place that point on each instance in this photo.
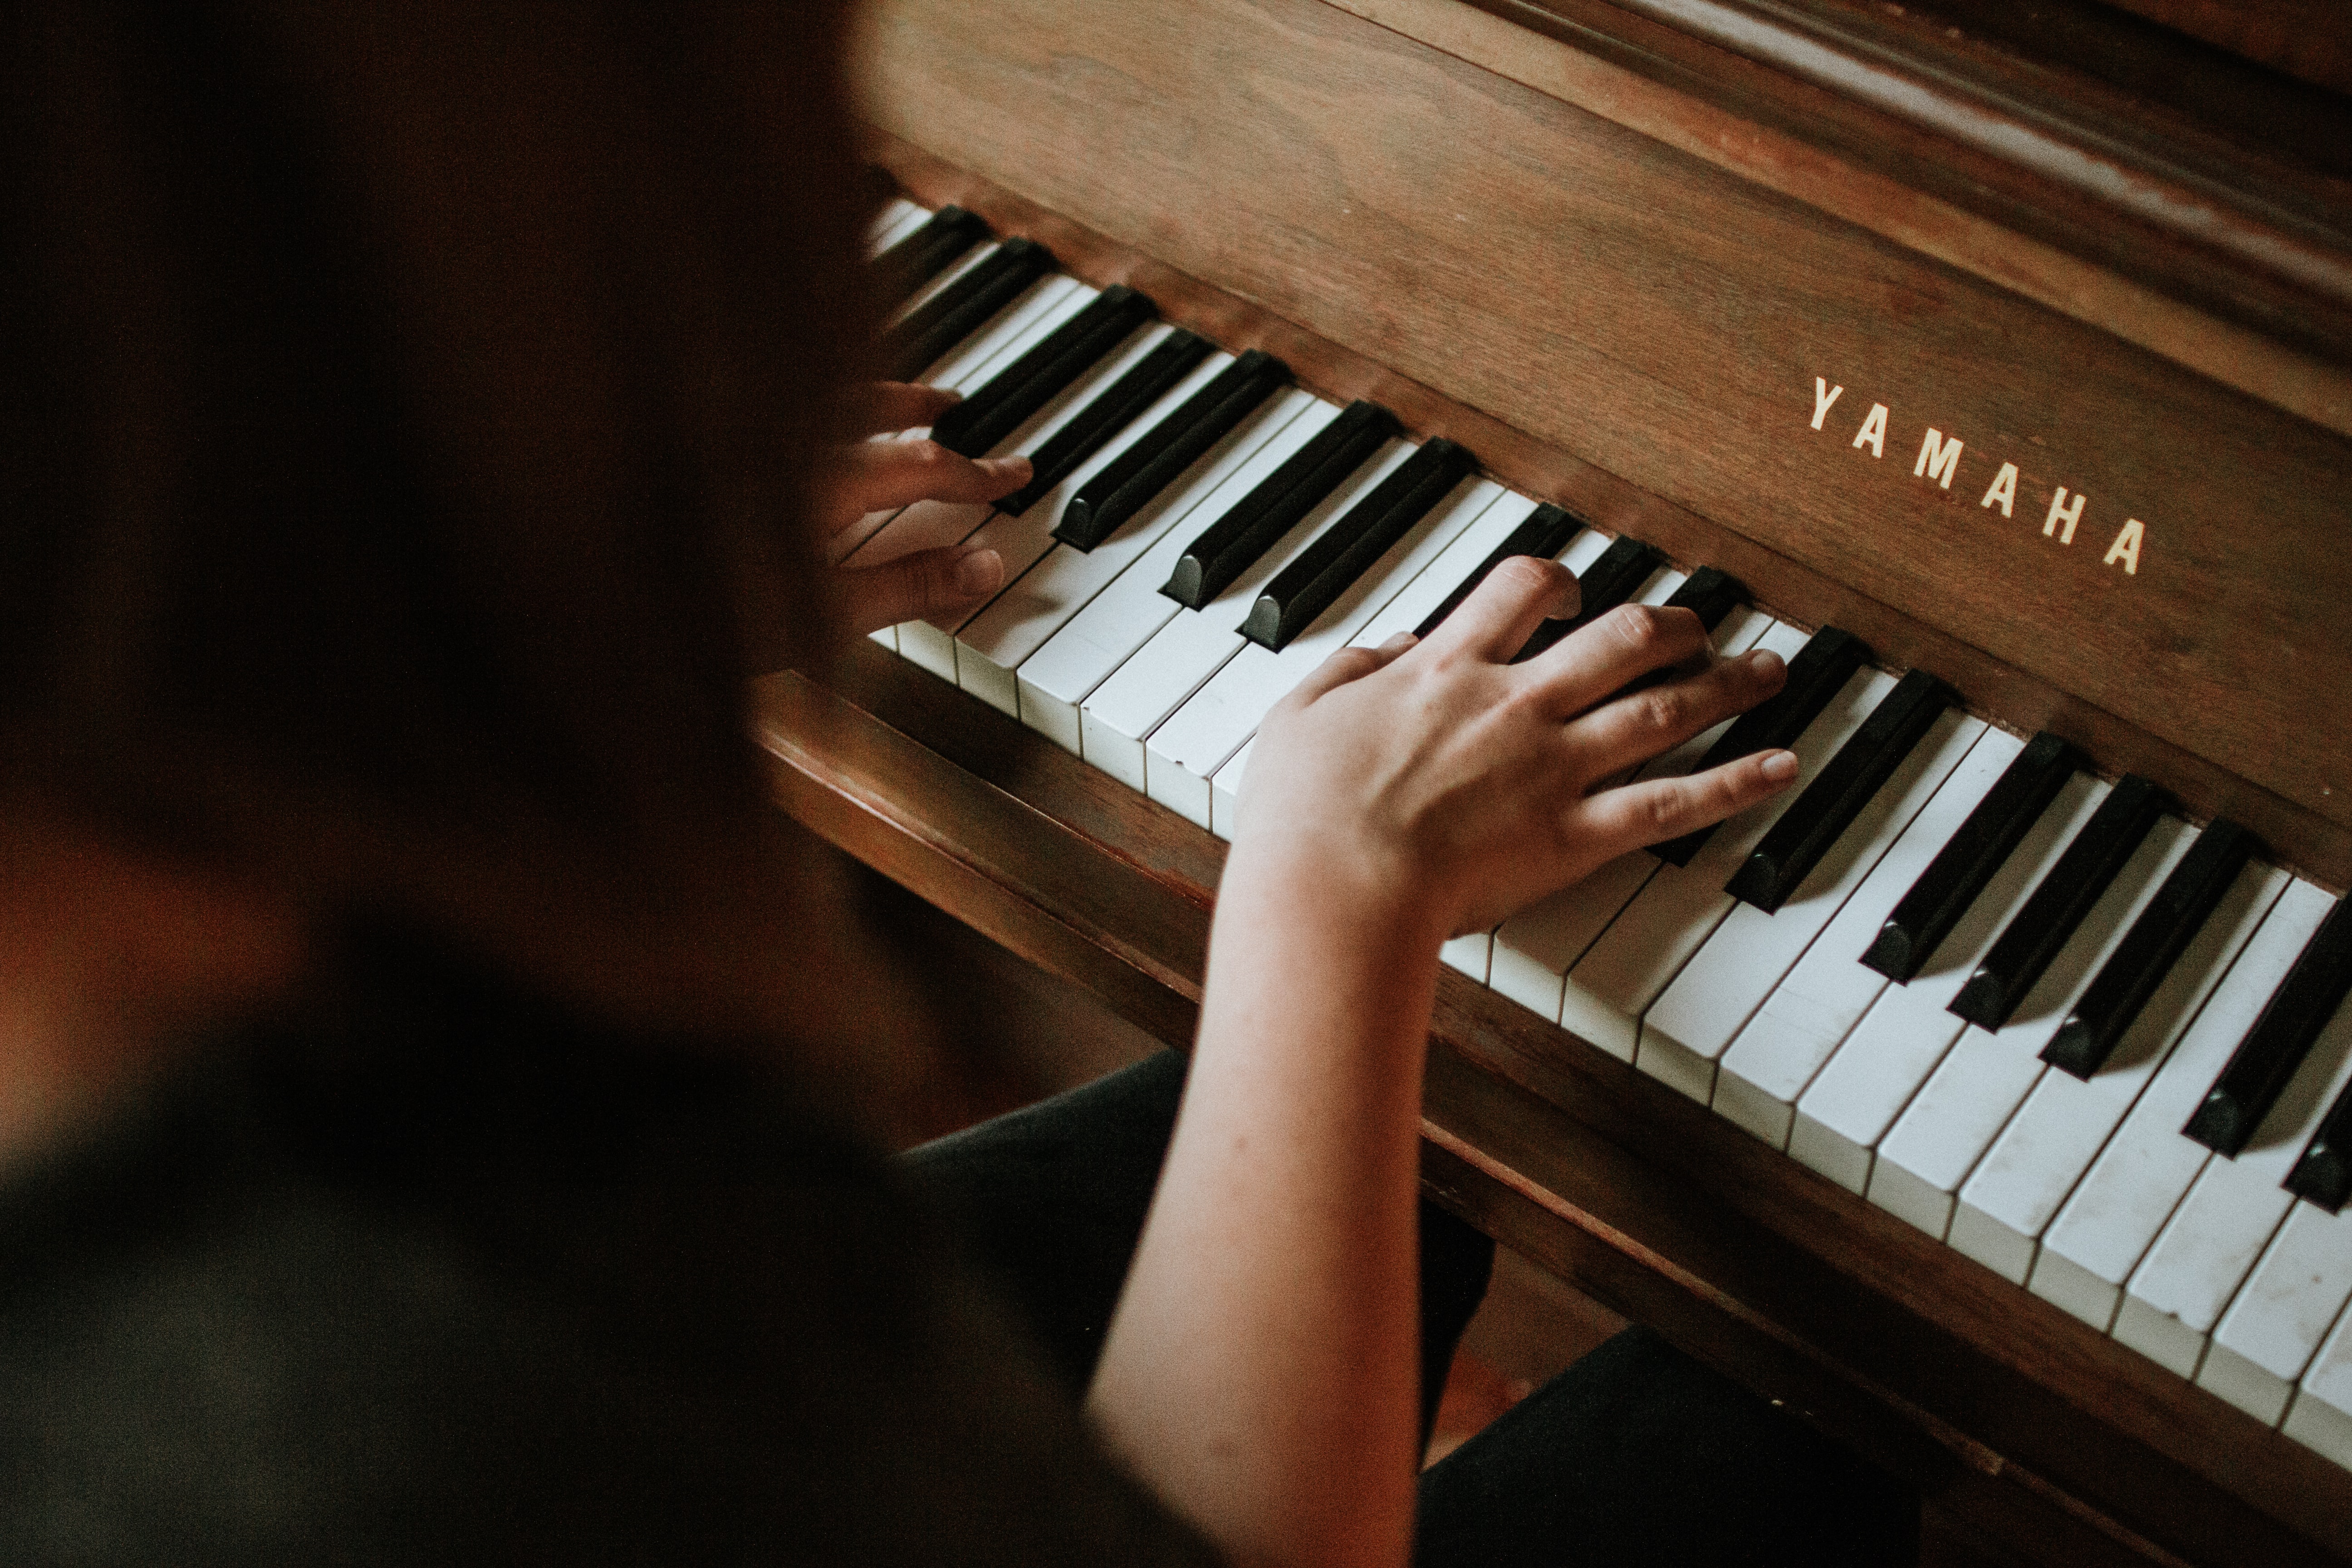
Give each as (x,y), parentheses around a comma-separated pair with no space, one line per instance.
(1938,463)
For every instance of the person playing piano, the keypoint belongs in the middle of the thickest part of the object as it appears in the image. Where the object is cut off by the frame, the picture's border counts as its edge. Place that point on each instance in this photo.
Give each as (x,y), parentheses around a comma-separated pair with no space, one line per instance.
(437,1090)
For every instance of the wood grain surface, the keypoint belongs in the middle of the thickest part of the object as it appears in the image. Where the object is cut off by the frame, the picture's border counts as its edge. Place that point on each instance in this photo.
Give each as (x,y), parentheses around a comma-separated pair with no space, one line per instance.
(2044,1433)
(1658,318)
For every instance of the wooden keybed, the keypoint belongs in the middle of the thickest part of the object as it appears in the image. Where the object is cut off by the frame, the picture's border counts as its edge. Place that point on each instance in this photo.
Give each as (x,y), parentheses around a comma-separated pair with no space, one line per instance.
(1586,244)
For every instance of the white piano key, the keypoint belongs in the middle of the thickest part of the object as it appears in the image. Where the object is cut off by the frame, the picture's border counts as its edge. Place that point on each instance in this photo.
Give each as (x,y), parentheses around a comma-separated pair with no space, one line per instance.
(1045,586)
(1536,948)
(1410,607)
(1128,610)
(964,367)
(2131,1189)
(2051,1141)
(1225,792)
(1022,539)
(2321,1416)
(1877,1069)
(1115,722)
(1971,1097)
(898,218)
(1802,1023)
(1696,1019)
(2274,1324)
(1680,906)
(1185,753)
(1468,953)
(2209,1247)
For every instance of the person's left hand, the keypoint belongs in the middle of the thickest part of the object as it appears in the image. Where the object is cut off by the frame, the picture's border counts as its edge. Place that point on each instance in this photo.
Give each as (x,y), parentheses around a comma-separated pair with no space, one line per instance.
(875,476)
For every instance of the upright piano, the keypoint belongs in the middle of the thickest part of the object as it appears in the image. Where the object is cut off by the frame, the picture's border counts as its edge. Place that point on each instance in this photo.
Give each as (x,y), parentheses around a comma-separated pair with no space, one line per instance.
(1985,1099)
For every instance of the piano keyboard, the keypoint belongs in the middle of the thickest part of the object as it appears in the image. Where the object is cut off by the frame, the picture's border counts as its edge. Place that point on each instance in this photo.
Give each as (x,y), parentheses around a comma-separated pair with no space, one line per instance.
(2100,1051)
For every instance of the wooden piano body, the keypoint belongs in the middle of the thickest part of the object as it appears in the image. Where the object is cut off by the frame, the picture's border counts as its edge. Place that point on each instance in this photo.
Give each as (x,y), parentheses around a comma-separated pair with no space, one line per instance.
(1623,253)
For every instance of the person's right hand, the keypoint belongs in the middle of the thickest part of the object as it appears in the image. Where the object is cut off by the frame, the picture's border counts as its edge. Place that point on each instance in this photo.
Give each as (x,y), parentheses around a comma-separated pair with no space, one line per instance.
(1440,781)
(875,476)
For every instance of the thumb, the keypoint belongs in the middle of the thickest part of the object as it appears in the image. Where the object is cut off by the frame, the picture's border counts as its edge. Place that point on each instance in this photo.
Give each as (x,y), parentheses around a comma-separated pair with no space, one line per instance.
(915,586)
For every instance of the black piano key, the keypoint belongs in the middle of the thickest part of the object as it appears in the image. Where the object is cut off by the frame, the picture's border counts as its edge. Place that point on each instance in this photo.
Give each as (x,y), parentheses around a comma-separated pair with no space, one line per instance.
(2323,1174)
(2266,1058)
(1803,833)
(1044,373)
(2140,962)
(923,254)
(957,311)
(1343,552)
(1821,668)
(1124,485)
(1107,413)
(1608,582)
(1544,534)
(1254,525)
(2053,910)
(1709,594)
(1960,869)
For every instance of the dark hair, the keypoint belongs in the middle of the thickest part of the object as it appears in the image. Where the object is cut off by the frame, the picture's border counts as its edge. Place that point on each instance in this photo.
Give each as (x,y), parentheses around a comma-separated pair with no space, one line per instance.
(404,415)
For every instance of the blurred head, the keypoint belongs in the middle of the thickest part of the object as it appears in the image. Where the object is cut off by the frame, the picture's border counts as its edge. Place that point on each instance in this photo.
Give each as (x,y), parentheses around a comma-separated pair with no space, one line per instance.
(404,414)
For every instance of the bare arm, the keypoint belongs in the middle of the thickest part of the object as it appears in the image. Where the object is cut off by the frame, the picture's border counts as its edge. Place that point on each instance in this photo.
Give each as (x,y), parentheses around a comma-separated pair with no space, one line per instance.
(1261,1371)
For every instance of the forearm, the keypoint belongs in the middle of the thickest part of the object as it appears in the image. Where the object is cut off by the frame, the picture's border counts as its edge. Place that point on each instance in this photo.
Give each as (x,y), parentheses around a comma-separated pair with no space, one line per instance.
(1262,1369)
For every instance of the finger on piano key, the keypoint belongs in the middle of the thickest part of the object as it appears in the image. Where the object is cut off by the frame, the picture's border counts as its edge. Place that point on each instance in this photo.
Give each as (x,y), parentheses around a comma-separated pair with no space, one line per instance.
(1679,906)
(2323,1174)
(2321,1417)
(1968,1101)
(1329,568)
(1818,672)
(1116,720)
(1543,533)
(1801,1024)
(1898,1042)
(1125,612)
(1116,490)
(2274,1326)
(928,525)
(1511,521)
(898,218)
(1020,539)
(1534,949)
(1817,817)
(1043,372)
(1185,753)
(2035,933)
(1519,974)
(2206,1249)
(2049,1146)
(1238,538)
(920,251)
(1695,1020)
(2138,1178)
(2267,1060)
(1614,579)
(2101,1016)
(930,328)
(1049,582)
(963,367)
(1951,882)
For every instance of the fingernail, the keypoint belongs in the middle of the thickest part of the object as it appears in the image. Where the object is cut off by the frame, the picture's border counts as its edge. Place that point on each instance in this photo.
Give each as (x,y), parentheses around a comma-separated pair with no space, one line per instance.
(979,572)
(1007,467)
(1764,661)
(1399,643)
(1780,766)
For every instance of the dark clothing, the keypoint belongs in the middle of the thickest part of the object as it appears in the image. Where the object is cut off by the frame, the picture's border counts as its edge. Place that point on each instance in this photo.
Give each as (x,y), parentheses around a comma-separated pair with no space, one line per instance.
(450,1278)
(1634,1456)
(443,1275)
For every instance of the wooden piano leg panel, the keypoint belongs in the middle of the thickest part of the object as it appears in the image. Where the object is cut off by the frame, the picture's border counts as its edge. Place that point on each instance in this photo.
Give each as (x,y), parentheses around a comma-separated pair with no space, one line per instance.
(2050,1437)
